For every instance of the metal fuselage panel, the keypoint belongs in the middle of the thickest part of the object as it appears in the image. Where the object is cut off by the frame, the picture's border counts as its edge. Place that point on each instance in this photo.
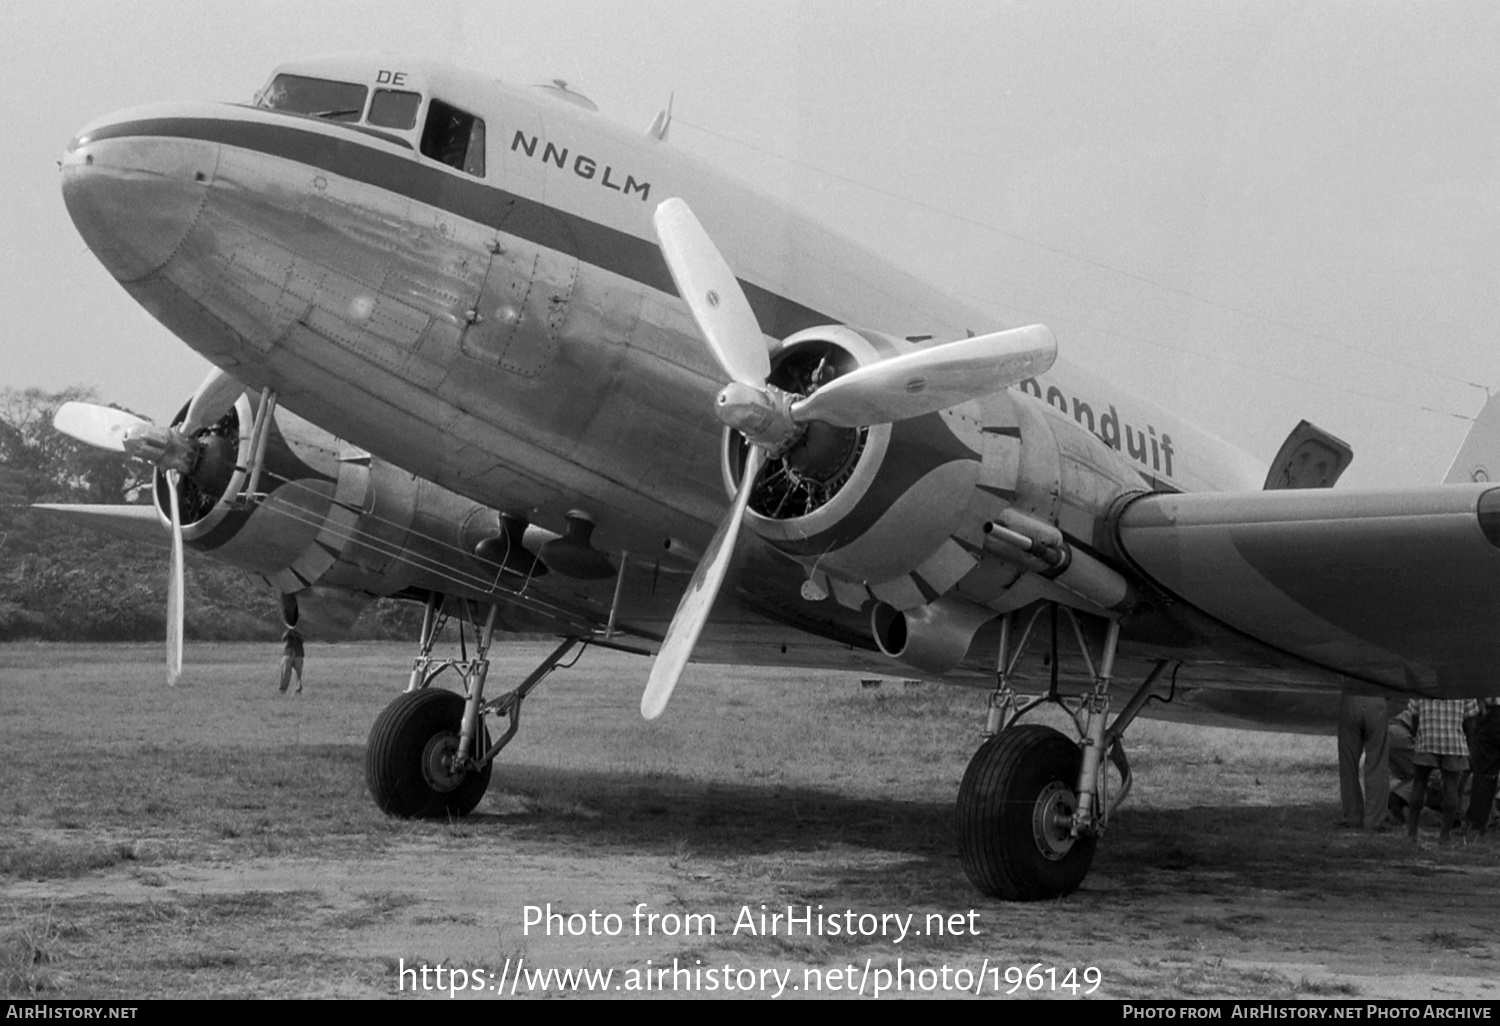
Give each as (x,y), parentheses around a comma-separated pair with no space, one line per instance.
(515,338)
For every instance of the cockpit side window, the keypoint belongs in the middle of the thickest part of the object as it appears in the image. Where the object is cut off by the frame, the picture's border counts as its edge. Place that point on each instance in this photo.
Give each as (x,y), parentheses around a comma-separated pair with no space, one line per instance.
(454,137)
(316,97)
(394,108)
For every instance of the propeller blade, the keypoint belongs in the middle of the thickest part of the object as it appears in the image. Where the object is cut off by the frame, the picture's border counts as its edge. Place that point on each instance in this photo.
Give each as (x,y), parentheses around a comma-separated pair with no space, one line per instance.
(174,588)
(103,427)
(692,612)
(713,293)
(929,380)
(212,400)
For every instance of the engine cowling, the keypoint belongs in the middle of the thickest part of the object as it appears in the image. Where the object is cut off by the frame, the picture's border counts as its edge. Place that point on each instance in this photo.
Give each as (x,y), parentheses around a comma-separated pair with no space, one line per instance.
(870,506)
(924,523)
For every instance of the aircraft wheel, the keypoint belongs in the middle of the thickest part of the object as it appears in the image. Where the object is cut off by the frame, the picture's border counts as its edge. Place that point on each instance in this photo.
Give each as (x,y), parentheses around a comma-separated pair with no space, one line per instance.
(1015,807)
(408,760)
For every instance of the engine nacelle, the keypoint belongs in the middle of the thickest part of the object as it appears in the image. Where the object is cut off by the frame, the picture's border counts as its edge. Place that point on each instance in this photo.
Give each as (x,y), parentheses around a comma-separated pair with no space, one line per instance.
(896,515)
(333,527)
(873,507)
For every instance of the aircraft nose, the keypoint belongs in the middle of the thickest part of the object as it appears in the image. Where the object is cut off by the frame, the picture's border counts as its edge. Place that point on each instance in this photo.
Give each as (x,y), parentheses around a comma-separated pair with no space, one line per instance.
(134,193)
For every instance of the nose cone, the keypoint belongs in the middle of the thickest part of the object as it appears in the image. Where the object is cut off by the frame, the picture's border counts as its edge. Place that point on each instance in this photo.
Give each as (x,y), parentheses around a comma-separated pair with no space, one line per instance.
(134,190)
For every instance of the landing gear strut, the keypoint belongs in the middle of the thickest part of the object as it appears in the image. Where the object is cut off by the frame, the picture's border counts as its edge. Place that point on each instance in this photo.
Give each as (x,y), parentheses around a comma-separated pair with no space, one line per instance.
(429,753)
(1033,804)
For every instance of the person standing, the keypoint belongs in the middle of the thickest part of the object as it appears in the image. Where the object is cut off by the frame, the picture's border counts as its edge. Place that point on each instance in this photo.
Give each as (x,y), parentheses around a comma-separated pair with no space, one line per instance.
(1484,758)
(291,659)
(1440,746)
(1363,725)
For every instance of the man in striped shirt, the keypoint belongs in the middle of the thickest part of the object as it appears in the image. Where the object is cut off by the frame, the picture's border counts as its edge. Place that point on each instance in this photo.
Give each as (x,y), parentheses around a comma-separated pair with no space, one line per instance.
(1440,745)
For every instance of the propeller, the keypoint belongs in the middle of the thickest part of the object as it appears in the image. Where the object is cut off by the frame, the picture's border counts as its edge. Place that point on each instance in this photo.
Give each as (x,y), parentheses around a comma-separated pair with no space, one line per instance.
(174,587)
(772,420)
(171,451)
(103,427)
(217,394)
(930,379)
(692,613)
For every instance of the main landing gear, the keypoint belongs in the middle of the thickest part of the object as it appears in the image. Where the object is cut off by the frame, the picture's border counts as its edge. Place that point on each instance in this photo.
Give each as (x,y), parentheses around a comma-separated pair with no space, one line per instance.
(1033,804)
(429,753)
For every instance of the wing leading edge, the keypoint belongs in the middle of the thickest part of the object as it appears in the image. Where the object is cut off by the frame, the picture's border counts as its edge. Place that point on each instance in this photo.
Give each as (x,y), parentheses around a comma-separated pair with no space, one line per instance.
(139,524)
(1397,588)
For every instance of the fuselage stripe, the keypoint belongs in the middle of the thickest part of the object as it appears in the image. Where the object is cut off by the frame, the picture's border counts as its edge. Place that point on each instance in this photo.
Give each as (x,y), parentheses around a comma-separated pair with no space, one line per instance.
(610,249)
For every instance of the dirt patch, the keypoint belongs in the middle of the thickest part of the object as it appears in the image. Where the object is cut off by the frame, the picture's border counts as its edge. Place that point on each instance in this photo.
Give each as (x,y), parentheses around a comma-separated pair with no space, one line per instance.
(245,860)
(1373,917)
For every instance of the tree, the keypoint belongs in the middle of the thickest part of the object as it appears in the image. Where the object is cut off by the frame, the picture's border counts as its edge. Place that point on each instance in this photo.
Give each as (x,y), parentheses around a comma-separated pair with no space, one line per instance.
(62,582)
(45,465)
(58,580)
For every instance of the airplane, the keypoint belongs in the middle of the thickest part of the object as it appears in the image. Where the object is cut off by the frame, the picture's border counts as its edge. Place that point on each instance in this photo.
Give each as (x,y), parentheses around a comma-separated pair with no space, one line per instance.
(482,348)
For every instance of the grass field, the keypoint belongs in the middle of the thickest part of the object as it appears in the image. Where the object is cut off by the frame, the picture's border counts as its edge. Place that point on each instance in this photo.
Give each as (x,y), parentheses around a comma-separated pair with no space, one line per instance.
(217,840)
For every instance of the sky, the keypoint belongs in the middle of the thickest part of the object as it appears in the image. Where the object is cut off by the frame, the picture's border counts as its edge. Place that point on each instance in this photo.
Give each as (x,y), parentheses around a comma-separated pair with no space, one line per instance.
(1250,212)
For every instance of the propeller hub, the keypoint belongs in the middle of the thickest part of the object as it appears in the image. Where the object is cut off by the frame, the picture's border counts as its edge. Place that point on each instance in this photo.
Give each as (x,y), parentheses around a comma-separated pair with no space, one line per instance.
(764,417)
(164,448)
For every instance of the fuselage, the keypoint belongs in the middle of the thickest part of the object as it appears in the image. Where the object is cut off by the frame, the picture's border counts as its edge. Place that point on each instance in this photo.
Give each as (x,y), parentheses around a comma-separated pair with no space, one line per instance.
(500,320)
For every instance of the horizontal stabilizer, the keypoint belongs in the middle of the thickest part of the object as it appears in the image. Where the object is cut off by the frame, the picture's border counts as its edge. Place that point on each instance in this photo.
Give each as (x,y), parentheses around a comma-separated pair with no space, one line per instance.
(1478,458)
(133,523)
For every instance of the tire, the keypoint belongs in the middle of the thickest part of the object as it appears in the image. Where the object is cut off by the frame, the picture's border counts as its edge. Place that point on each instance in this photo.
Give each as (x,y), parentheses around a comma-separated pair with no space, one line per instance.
(404,765)
(1016,786)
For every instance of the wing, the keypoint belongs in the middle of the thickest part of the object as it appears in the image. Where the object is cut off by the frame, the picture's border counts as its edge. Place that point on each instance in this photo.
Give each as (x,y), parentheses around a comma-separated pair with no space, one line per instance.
(139,524)
(1397,588)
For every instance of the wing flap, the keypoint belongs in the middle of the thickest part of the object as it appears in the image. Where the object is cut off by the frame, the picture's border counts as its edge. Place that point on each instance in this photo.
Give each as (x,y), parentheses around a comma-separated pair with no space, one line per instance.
(1398,588)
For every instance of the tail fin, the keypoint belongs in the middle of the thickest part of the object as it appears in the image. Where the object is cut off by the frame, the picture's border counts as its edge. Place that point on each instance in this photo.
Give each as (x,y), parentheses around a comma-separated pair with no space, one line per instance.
(1478,458)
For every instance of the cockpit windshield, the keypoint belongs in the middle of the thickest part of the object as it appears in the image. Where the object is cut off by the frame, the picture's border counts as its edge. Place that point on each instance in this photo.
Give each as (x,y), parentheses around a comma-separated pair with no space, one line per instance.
(394,108)
(316,97)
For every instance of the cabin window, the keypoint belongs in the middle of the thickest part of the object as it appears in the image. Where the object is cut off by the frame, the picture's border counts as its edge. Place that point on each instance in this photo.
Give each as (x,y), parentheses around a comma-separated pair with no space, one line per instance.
(394,108)
(315,97)
(454,138)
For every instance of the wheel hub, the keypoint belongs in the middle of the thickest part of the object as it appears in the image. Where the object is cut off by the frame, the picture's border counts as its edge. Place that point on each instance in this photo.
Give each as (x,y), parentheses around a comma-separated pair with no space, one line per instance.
(1052,820)
(437,763)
